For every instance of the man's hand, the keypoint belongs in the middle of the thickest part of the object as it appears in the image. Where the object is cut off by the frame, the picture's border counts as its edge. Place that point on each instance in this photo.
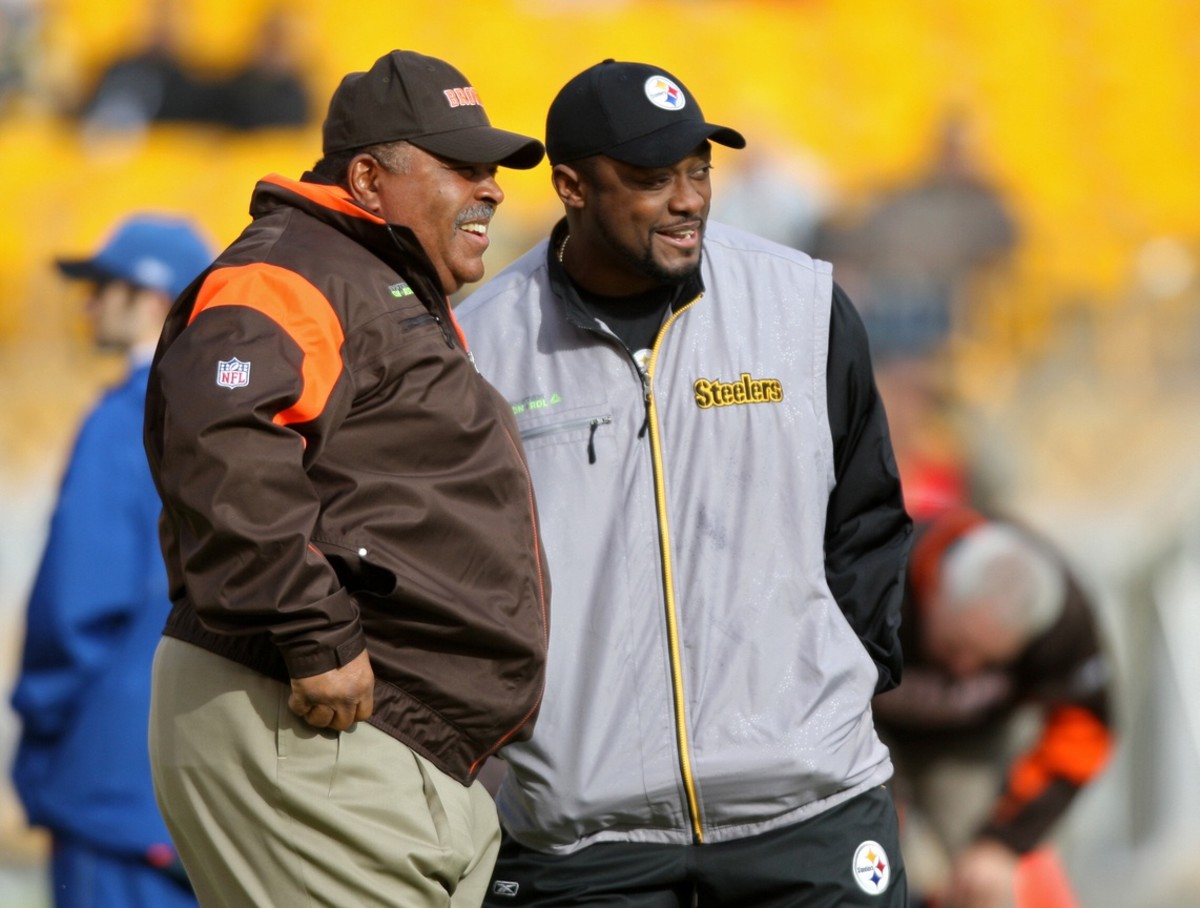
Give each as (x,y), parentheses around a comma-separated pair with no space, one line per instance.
(336,699)
(984,876)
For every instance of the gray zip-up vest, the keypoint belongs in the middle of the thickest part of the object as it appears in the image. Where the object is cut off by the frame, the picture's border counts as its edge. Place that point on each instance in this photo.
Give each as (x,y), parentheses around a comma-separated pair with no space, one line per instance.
(703,684)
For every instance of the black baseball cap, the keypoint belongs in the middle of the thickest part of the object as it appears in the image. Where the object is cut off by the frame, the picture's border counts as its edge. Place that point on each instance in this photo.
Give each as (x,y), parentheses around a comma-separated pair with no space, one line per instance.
(633,112)
(426,101)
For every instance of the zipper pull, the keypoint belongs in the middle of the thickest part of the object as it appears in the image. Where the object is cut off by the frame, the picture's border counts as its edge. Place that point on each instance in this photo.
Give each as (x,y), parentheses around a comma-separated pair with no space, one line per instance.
(445,334)
(595,424)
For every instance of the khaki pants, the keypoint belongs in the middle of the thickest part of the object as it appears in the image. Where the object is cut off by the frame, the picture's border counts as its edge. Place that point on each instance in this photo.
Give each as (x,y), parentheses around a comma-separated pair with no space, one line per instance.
(269,812)
(946,787)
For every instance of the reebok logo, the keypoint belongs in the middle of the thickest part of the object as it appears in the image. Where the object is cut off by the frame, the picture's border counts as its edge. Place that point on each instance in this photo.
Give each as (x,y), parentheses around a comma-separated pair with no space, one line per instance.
(506,888)
(747,390)
(535,402)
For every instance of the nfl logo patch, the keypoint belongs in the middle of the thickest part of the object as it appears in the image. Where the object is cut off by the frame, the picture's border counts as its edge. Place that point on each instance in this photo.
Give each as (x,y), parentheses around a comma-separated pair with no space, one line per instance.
(233,373)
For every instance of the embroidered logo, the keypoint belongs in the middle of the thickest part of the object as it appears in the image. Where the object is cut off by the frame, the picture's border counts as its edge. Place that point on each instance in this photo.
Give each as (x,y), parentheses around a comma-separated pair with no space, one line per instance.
(400,289)
(535,402)
(664,93)
(463,97)
(233,373)
(747,390)
(506,888)
(872,869)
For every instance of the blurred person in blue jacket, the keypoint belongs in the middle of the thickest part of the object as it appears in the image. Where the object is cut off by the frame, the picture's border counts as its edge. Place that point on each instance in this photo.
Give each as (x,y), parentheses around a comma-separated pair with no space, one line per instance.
(99,602)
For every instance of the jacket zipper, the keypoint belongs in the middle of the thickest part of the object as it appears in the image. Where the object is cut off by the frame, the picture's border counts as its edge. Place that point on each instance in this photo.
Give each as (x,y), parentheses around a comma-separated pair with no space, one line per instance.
(442,304)
(664,536)
(417,320)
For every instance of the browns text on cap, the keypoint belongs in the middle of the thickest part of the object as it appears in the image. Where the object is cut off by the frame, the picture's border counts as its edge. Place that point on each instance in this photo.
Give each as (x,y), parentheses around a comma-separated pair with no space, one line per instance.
(633,112)
(426,101)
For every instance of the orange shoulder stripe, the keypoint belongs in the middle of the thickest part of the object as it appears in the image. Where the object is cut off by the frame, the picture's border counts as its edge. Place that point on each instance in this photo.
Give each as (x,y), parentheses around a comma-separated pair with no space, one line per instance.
(300,310)
(1074,746)
(334,197)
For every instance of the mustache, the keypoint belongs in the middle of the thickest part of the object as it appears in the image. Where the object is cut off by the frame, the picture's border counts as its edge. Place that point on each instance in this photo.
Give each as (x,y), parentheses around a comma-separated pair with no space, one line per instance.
(481,212)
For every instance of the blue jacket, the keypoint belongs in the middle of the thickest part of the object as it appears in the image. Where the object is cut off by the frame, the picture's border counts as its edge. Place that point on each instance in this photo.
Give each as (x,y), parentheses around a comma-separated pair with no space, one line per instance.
(96,613)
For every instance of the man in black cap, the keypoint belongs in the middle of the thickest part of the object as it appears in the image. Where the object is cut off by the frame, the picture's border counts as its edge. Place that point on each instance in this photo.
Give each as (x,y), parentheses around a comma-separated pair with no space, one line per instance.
(723,513)
(359,590)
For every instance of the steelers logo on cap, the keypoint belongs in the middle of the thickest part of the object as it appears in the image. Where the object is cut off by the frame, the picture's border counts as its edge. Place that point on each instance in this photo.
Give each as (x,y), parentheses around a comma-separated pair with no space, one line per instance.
(664,93)
(872,869)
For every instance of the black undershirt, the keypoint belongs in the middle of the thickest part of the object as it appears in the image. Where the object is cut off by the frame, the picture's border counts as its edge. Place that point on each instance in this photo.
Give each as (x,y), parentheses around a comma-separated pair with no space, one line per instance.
(634,319)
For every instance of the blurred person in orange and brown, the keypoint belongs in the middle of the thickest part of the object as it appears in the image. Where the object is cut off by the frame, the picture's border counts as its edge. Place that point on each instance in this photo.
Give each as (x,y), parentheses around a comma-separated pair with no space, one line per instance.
(1003,714)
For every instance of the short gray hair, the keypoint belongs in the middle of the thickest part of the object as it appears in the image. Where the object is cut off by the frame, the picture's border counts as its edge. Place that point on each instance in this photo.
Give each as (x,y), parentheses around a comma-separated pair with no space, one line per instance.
(393,156)
(1001,565)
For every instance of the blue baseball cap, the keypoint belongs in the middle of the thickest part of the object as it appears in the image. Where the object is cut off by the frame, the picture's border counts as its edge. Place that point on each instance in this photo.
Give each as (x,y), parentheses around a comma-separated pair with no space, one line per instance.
(158,252)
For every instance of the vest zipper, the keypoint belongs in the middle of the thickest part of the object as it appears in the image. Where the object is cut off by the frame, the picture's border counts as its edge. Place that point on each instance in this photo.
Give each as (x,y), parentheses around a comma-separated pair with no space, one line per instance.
(664,536)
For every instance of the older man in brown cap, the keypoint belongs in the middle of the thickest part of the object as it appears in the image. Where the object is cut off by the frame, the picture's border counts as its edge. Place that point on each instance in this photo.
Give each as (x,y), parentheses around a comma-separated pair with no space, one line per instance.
(359,589)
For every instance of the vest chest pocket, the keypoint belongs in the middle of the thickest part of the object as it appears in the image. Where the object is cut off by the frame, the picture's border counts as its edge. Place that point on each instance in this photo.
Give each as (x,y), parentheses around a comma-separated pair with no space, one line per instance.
(577,429)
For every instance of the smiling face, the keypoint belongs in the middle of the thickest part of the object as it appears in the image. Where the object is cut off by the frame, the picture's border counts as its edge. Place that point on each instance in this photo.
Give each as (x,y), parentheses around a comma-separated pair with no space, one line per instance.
(447,204)
(634,228)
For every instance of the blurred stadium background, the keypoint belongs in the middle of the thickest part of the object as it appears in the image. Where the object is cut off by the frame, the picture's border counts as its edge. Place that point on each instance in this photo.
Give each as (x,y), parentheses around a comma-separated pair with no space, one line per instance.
(1073,384)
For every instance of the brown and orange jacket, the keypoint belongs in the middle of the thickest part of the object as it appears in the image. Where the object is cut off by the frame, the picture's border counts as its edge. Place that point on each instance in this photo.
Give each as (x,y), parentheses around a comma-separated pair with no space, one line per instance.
(1064,671)
(336,474)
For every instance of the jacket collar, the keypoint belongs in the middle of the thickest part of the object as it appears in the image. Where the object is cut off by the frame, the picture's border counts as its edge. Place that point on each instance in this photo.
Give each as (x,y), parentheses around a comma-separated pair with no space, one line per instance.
(329,203)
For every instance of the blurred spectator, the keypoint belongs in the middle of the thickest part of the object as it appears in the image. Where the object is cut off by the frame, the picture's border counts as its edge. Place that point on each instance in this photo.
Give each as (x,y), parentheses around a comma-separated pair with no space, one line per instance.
(1003,712)
(268,90)
(155,84)
(150,85)
(18,48)
(935,467)
(917,254)
(99,603)
(772,190)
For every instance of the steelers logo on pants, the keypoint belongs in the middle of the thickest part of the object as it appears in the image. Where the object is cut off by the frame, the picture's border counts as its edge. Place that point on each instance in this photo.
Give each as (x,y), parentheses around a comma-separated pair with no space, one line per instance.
(872,869)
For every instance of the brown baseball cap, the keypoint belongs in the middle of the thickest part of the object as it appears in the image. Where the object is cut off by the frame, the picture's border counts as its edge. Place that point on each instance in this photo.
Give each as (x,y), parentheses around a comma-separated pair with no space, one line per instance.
(426,101)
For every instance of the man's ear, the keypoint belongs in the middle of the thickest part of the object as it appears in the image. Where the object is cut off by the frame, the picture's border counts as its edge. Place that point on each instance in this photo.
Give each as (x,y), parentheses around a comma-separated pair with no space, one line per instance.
(570,185)
(362,179)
